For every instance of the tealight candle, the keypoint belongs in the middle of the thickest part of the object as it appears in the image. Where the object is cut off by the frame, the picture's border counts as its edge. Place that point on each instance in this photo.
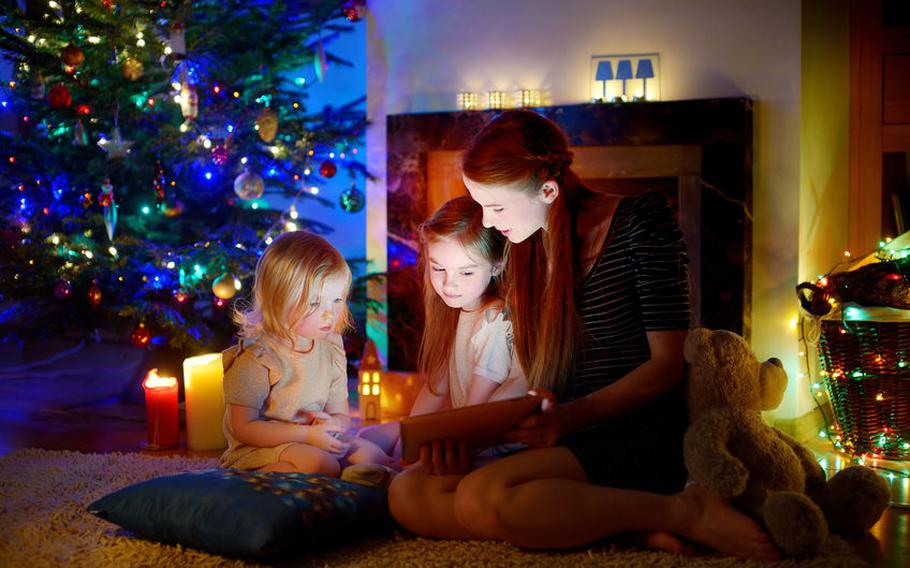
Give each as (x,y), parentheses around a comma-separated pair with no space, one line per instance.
(162,429)
(202,385)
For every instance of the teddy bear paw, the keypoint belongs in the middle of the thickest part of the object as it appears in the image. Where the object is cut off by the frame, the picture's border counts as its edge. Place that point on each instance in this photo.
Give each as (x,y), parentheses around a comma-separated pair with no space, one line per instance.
(795,523)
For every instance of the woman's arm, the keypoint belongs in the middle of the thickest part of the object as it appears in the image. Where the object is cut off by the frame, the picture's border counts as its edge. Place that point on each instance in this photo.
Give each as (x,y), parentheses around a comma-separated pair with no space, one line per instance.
(660,373)
(249,429)
(481,389)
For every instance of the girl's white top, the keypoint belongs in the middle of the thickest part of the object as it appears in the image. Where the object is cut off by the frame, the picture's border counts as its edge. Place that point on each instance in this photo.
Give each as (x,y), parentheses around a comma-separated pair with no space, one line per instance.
(483,346)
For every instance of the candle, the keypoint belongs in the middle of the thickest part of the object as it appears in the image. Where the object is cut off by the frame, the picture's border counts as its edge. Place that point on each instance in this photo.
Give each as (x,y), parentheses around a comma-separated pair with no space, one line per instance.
(202,384)
(162,429)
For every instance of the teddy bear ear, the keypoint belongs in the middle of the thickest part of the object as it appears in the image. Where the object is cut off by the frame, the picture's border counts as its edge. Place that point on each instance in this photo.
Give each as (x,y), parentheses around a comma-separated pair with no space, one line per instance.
(696,341)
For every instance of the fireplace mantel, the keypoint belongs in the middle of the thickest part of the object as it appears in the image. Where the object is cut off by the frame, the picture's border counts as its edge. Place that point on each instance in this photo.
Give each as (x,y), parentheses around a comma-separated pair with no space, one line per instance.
(698,152)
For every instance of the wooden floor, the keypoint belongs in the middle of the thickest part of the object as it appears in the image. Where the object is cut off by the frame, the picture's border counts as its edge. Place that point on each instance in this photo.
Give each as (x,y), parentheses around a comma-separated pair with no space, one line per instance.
(66,410)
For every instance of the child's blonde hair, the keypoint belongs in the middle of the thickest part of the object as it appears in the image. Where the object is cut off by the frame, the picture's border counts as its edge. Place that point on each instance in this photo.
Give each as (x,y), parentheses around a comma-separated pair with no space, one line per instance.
(460,219)
(294,266)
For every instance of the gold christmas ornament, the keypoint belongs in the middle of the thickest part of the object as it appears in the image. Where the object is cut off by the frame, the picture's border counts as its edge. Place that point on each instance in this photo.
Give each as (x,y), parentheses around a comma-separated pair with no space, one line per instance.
(132,69)
(267,121)
(189,101)
(226,286)
(72,56)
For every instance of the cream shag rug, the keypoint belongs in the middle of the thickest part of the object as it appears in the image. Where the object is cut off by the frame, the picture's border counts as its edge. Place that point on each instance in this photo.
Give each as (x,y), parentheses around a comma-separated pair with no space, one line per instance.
(43,522)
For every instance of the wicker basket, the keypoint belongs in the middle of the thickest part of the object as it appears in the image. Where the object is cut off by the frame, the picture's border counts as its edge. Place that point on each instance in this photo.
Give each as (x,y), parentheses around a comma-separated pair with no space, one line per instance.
(865,362)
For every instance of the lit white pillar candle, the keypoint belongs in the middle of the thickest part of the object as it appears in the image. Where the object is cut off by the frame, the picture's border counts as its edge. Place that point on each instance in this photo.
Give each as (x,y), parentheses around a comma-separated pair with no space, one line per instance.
(202,382)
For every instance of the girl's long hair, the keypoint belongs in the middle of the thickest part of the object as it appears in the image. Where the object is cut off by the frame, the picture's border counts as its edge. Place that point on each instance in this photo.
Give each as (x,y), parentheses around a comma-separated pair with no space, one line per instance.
(292,268)
(541,274)
(460,219)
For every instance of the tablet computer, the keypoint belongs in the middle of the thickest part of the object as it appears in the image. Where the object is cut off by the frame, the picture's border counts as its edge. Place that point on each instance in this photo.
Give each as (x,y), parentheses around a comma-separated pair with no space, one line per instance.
(478,425)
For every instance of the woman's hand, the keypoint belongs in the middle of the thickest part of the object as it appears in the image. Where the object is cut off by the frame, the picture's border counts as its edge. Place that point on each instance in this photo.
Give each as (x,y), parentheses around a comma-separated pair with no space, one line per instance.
(328,436)
(543,429)
(445,457)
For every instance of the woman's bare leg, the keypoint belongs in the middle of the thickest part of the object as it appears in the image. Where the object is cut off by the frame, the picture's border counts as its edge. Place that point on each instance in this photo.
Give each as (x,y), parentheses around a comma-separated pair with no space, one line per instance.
(541,499)
(422,503)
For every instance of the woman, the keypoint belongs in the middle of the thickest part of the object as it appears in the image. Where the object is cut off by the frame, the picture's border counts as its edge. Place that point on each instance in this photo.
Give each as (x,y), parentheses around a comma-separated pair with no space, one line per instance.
(596,288)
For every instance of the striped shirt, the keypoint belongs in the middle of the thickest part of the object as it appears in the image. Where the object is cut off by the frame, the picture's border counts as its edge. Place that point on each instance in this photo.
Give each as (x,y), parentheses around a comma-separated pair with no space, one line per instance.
(638,284)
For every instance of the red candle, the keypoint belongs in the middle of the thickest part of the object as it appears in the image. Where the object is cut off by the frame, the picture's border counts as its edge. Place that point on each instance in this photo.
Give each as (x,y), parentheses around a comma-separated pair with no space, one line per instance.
(161,409)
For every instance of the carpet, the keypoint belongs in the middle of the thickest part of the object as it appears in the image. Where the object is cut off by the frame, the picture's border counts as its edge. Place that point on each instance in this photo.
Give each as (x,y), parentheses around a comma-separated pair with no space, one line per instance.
(43,522)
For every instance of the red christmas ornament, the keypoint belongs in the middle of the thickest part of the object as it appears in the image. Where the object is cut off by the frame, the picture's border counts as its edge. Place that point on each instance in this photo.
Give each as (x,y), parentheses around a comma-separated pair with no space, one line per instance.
(140,336)
(94,294)
(328,169)
(72,56)
(59,97)
(219,155)
(63,289)
(84,110)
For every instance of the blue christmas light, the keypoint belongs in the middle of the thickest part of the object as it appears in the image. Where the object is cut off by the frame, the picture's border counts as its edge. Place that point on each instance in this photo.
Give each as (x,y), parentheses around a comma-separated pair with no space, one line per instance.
(229,127)
(145,210)
(208,175)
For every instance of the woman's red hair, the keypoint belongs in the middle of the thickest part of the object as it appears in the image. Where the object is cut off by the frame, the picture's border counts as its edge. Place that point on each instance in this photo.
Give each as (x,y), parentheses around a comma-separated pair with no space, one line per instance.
(541,274)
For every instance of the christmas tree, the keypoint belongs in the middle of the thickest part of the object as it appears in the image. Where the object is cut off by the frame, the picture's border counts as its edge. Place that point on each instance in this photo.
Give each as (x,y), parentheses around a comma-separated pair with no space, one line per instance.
(149,137)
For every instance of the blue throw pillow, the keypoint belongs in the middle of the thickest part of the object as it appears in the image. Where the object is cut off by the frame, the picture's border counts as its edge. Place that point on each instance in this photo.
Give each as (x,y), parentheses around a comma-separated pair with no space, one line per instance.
(245,513)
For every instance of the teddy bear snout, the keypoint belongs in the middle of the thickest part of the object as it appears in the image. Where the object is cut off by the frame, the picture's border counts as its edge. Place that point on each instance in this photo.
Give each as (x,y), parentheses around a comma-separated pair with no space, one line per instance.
(776,361)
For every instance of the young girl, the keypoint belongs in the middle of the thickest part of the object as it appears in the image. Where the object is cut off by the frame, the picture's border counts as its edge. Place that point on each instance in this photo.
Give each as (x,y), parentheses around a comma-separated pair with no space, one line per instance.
(597,289)
(466,349)
(285,382)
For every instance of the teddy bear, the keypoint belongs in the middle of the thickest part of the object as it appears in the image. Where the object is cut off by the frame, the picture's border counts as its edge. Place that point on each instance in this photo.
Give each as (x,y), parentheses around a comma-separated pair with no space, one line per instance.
(729,449)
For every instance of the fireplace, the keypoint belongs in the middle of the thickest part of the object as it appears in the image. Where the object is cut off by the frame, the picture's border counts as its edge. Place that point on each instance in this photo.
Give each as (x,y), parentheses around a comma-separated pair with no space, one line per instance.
(699,153)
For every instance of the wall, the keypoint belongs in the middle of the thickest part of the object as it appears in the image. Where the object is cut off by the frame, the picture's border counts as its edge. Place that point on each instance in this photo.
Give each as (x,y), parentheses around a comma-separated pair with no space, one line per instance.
(824,152)
(420,54)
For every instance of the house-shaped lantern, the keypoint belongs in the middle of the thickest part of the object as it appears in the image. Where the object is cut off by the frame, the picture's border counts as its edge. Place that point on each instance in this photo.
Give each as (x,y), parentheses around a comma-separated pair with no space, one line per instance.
(370,373)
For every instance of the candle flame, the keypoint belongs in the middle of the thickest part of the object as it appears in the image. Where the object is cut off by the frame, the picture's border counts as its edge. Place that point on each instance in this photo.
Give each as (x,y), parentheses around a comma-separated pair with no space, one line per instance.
(153,381)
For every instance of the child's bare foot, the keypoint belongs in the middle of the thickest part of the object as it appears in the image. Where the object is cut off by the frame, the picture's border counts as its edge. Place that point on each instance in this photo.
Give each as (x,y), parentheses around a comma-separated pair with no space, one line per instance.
(716,524)
(666,542)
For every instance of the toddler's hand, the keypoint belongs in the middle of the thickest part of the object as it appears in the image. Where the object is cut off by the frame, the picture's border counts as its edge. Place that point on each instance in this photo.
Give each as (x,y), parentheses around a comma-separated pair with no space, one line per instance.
(311,417)
(328,436)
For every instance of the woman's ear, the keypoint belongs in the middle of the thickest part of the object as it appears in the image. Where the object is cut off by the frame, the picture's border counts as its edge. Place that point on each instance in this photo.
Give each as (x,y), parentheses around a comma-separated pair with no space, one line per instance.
(549,191)
(497,269)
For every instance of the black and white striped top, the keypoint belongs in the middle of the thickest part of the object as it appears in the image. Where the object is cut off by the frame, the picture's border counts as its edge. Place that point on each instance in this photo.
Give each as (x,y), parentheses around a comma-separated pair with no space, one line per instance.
(639,284)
